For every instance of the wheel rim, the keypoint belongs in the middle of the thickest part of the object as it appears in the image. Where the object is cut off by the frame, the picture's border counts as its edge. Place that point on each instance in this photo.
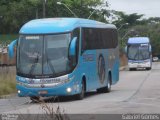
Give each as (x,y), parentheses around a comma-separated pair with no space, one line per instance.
(109,85)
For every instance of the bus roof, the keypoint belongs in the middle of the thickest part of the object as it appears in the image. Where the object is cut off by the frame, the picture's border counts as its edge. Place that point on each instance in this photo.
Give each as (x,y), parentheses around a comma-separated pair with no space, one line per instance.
(59,25)
(137,40)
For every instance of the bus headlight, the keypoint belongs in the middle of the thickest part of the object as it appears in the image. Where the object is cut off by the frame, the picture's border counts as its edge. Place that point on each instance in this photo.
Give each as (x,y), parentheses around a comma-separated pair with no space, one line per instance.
(69,90)
(19,91)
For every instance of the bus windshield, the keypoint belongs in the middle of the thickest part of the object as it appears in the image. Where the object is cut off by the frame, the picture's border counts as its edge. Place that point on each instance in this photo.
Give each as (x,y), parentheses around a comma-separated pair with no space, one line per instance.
(138,52)
(43,55)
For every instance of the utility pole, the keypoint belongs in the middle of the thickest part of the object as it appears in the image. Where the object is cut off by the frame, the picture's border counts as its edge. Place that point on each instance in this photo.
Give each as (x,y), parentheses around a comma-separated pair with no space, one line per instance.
(36,13)
(60,3)
(122,26)
(81,9)
(44,8)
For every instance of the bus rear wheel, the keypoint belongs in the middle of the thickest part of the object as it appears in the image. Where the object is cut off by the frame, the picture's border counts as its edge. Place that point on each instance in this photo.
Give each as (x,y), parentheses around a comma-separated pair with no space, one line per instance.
(107,88)
(132,69)
(81,95)
(148,68)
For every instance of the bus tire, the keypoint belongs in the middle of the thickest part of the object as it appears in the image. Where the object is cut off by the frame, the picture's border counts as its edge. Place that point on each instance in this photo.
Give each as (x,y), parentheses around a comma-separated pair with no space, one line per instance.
(148,68)
(107,88)
(100,90)
(81,95)
(132,69)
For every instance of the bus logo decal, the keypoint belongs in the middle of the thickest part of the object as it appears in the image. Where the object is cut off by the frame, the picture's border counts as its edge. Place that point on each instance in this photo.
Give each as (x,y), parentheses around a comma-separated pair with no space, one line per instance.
(88,57)
(101,68)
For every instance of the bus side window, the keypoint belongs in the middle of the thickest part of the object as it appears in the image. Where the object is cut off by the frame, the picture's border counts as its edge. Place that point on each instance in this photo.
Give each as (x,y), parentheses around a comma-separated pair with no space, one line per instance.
(84,39)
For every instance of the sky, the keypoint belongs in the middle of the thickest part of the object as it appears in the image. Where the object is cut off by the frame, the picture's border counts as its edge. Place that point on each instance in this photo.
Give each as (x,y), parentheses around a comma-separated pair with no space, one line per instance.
(150,8)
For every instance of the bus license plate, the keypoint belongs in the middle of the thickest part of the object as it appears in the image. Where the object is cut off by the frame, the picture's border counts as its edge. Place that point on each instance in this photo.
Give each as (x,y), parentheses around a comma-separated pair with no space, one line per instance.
(43,92)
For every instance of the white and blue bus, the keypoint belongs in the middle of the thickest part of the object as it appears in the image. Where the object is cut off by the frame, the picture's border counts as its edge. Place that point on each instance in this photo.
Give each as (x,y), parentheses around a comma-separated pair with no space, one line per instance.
(65,56)
(139,53)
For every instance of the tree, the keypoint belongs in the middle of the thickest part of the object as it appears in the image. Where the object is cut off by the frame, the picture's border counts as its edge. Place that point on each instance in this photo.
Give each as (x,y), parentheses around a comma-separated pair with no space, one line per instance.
(17,12)
(131,19)
(151,30)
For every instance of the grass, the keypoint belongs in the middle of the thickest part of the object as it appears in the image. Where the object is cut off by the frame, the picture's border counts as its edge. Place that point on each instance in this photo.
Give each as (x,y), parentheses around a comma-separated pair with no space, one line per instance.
(53,112)
(7,74)
(7,80)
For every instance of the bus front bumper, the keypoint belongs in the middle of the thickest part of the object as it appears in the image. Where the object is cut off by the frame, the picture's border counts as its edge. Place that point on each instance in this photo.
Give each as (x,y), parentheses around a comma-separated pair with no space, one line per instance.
(61,90)
(139,65)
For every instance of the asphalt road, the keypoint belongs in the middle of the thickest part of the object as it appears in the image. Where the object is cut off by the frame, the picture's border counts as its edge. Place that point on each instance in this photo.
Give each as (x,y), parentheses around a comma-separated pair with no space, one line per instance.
(136,92)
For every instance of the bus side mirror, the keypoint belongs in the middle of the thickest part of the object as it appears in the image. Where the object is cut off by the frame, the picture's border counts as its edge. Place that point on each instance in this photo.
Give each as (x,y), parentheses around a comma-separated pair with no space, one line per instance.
(11,48)
(72,47)
(72,51)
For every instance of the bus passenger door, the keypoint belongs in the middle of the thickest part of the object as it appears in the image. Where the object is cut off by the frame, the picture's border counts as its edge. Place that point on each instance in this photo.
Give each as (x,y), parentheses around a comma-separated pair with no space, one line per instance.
(89,64)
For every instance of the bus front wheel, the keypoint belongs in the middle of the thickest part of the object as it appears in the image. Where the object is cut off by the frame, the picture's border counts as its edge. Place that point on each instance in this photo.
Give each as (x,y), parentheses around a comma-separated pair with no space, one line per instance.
(80,96)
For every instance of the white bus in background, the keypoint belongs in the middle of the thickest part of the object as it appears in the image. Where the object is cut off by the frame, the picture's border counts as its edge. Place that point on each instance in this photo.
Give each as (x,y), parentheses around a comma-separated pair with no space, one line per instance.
(139,53)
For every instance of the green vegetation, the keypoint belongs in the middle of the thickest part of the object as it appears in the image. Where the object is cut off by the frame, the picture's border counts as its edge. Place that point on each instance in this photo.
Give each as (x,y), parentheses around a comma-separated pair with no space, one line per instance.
(15,13)
(152,31)
(138,27)
(7,38)
(7,80)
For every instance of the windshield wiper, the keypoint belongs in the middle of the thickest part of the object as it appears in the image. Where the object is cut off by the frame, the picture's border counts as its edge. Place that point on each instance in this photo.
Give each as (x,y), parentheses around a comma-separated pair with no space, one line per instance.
(50,64)
(36,59)
(136,55)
